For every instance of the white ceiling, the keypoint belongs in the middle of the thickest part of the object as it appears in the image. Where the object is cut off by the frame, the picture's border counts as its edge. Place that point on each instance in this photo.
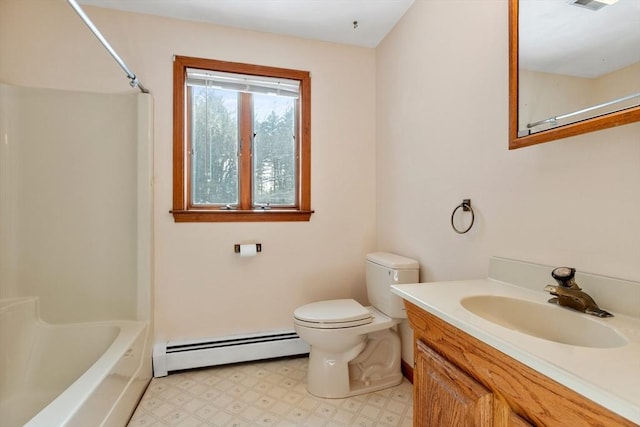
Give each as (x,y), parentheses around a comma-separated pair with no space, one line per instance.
(326,20)
(555,37)
(558,37)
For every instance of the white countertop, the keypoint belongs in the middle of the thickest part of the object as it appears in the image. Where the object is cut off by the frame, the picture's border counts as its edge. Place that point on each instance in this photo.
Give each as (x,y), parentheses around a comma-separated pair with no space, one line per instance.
(608,376)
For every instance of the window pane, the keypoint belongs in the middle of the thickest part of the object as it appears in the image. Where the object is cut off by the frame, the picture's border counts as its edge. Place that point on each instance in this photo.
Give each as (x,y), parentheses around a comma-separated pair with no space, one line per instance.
(214,146)
(274,152)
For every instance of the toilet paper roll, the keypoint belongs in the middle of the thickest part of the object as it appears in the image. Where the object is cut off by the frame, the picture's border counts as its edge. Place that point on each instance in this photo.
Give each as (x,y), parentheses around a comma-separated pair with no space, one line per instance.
(248,250)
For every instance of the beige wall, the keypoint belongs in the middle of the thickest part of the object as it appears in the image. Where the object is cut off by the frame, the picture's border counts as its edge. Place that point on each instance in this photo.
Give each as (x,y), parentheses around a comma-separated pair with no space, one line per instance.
(625,81)
(201,287)
(544,95)
(442,88)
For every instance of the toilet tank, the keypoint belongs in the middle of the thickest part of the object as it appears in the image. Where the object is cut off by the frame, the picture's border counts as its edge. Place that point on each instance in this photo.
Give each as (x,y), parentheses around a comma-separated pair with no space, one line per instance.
(386,269)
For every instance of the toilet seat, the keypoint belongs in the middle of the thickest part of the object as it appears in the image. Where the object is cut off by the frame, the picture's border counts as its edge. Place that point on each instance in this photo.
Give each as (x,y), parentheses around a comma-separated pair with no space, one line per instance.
(333,314)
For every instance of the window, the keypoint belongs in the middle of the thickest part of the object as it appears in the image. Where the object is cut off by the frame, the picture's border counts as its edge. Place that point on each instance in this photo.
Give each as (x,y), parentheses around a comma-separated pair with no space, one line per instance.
(241,148)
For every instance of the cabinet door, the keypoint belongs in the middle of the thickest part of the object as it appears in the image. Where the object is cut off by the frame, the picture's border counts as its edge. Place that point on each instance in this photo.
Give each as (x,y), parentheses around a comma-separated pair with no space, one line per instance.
(446,396)
(516,421)
(503,415)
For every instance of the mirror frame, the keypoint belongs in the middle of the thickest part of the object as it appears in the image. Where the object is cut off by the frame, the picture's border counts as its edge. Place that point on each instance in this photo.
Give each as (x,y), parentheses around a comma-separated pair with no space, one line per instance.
(604,121)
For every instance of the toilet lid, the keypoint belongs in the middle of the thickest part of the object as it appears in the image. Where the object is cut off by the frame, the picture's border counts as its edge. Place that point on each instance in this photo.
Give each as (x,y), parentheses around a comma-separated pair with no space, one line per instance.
(346,312)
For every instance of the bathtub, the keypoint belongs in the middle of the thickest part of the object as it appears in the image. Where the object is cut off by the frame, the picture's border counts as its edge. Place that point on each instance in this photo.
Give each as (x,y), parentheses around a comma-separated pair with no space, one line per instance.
(76,374)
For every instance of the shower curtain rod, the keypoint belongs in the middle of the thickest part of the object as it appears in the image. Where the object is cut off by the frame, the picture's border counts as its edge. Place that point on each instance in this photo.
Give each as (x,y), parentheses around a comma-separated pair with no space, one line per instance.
(132,77)
(553,120)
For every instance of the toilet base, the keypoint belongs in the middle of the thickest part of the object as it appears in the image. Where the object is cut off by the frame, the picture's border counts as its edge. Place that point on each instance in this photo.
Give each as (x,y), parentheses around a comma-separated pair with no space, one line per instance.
(372,365)
(353,387)
(362,387)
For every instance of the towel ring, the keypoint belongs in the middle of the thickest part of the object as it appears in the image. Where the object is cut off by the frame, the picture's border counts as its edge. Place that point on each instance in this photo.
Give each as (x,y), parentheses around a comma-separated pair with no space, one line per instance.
(466,207)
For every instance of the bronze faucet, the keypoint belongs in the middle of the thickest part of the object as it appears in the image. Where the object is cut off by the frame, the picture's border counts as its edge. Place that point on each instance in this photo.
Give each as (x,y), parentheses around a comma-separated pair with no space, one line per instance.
(569,294)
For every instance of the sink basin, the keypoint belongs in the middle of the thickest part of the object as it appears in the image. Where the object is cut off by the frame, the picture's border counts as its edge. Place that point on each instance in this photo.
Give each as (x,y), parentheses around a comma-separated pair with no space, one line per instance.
(546,321)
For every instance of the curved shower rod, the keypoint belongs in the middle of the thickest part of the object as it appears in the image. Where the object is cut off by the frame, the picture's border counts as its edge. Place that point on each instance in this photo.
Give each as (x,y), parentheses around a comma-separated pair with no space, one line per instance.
(553,120)
(132,77)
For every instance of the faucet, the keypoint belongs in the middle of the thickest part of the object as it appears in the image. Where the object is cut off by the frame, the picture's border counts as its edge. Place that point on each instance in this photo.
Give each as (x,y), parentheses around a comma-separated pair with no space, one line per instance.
(568,294)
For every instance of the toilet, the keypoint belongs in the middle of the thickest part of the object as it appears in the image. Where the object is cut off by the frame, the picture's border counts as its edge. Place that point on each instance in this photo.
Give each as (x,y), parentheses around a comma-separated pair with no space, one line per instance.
(356,349)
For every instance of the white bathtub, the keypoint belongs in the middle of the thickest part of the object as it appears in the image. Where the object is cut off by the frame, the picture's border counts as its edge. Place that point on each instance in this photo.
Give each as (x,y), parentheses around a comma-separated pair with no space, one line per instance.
(80,374)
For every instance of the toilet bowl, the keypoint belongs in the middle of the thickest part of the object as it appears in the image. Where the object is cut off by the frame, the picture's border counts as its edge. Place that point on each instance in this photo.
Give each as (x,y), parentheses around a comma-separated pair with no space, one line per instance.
(356,349)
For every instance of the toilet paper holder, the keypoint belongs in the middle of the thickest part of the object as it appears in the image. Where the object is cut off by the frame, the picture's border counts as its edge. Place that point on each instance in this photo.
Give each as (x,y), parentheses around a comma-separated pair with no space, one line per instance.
(236,248)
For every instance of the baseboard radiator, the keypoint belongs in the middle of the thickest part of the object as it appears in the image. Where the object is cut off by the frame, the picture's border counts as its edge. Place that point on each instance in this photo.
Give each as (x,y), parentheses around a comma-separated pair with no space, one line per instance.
(179,355)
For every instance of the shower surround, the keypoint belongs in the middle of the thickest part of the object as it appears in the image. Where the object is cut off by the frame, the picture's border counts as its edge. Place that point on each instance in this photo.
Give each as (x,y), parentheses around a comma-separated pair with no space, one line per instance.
(75,240)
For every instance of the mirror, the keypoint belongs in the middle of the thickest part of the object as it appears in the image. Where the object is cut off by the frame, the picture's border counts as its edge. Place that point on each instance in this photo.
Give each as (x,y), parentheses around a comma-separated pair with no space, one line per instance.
(574,67)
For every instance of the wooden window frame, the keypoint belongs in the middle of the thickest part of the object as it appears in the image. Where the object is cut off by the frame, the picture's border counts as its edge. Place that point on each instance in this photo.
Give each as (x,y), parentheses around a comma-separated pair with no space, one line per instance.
(183,210)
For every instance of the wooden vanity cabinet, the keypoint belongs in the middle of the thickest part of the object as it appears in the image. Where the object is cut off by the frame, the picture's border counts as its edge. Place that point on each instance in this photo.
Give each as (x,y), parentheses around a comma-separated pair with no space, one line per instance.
(461,381)
(446,396)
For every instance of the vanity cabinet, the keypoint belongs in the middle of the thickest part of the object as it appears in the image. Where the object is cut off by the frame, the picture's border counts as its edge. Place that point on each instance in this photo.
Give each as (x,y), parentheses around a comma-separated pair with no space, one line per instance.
(459,380)
(446,396)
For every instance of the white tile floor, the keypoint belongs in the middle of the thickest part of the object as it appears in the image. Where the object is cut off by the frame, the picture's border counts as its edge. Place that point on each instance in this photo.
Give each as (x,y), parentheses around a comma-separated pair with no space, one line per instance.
(269,393)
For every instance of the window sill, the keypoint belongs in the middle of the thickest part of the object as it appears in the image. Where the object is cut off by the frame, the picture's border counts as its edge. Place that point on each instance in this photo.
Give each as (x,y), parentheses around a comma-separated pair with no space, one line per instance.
(258,215)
